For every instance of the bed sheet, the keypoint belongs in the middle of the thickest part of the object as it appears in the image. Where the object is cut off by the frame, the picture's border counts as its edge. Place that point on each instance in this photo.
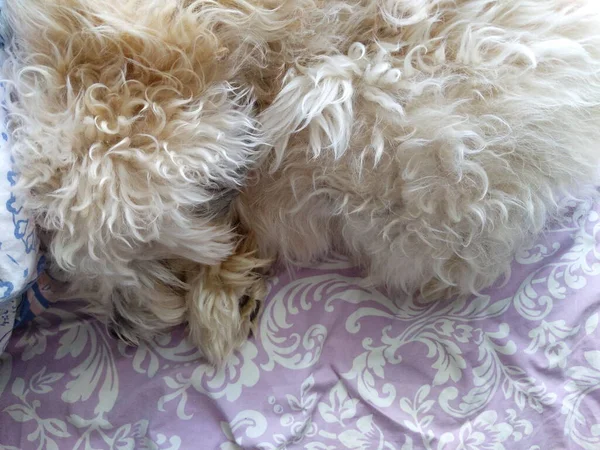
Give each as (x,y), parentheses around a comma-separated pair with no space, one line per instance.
(335,366)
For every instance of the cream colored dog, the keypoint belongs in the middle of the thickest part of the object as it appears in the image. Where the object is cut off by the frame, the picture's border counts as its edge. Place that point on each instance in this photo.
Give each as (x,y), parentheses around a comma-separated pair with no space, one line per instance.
(427,139)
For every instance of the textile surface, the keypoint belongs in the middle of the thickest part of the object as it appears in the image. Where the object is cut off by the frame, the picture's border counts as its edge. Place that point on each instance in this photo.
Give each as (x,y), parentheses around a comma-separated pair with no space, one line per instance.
(335,365)
(19,264)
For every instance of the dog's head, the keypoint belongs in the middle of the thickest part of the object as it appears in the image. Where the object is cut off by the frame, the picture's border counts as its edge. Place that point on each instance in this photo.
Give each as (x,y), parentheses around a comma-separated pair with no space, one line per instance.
(132,133)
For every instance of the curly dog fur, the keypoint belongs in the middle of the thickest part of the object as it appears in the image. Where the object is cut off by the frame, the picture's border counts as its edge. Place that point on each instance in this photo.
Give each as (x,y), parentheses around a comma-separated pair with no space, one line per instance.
(427,139)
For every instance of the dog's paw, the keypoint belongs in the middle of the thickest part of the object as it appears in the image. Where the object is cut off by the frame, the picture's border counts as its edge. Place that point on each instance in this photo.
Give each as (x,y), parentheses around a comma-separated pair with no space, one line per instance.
(251,305)
(224,303)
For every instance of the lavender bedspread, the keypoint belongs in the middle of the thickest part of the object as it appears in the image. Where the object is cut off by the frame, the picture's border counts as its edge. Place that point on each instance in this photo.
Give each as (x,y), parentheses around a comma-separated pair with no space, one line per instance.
(336,366)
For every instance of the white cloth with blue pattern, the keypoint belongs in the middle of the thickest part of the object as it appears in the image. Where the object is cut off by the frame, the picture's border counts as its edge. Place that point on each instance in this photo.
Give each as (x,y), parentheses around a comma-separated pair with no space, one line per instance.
(18,242)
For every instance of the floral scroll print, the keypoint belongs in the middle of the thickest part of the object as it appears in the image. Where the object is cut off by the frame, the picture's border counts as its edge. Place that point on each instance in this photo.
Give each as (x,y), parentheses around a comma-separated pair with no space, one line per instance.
(336,365)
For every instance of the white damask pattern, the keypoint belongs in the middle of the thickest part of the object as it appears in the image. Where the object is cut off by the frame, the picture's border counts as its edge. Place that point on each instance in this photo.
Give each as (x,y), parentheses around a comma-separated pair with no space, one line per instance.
(335,365)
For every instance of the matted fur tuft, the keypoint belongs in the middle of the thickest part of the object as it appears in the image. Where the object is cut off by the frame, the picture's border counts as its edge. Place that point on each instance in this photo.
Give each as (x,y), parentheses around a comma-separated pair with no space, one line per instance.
(427,139)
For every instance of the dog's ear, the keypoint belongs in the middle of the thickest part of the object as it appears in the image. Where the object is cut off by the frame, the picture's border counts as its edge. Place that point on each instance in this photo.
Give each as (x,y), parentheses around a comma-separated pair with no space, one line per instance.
(325,109)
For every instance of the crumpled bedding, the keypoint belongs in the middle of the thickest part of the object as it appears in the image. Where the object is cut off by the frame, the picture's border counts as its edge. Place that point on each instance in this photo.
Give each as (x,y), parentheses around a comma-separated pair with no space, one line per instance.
(335,365)
(20,261)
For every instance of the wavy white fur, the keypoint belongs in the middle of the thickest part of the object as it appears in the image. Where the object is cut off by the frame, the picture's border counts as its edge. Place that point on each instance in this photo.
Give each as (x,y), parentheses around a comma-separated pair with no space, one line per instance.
(128,135)
(433,140)
(427,139)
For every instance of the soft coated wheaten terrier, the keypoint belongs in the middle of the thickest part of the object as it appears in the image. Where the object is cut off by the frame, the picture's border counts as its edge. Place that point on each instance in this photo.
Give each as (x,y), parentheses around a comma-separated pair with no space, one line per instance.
(170,150)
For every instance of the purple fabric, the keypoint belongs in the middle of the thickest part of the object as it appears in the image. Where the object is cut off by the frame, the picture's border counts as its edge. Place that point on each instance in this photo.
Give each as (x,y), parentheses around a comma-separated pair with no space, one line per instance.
(336,366)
